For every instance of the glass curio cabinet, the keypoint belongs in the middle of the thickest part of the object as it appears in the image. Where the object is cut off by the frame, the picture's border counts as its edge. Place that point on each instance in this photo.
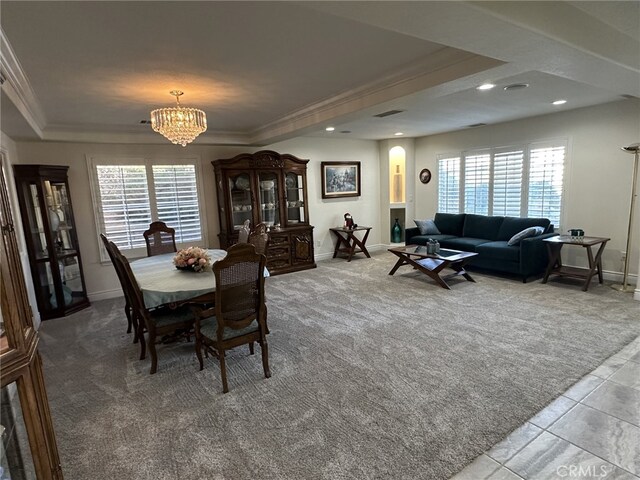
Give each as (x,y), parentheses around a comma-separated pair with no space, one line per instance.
(52,243)
(271,188)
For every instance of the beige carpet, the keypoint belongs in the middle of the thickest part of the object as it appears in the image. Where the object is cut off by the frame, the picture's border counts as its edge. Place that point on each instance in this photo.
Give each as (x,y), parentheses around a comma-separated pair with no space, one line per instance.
(372,377)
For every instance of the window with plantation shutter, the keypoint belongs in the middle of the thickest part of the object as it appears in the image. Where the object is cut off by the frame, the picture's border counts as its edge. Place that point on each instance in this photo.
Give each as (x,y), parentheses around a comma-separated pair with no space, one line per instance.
(124,203)
(177,200)
(449,185)
(507,183)
(130,193)
(477,175)
(546,168)
(514,181)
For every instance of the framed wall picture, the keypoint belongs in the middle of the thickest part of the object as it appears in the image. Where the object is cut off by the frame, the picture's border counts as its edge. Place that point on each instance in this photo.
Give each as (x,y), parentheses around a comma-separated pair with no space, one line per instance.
(425,175)
(340,179)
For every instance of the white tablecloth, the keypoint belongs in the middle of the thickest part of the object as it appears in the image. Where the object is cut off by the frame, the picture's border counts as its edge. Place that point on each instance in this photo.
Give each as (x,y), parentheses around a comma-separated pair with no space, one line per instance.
(161,282)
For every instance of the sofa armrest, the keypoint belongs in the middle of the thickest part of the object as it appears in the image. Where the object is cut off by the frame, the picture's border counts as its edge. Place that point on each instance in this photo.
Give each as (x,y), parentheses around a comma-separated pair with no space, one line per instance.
(534,255)
(409,233)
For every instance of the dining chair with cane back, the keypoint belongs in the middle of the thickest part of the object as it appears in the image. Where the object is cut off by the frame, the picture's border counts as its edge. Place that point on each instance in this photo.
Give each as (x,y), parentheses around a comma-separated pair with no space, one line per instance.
(132,320)
(243,233)
(159,239)
(160,321)
(239,315)
(259,238)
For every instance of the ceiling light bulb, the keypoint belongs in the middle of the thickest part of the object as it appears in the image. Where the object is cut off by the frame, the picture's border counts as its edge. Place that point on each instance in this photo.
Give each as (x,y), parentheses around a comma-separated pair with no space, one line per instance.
(559,102)
(330,129)
(485,86)
(397,134)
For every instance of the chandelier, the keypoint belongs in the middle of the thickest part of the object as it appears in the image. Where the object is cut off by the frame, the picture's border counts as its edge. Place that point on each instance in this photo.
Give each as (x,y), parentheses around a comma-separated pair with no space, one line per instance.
(181,125)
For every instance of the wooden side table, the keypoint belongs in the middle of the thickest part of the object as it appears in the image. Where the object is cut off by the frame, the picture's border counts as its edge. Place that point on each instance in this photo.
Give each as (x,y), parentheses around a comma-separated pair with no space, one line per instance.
(555,267)
(348,243)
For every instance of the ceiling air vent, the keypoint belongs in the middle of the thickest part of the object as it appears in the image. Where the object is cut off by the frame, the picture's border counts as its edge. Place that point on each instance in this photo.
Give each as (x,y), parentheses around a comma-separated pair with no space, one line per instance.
(627,96)
(474,125)
(515,86)
(388,113)
(144,122)
(345,131)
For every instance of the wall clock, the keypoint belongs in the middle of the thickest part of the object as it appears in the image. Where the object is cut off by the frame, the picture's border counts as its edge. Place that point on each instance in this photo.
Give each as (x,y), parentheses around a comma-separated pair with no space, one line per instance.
(425,175)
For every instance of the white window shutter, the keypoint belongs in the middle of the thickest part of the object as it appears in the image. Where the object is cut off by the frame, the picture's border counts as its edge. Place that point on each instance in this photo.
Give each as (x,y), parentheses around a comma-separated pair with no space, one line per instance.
(176,194)
(124,203)
(507,183)
(477,176)
(546,170)
(449,185)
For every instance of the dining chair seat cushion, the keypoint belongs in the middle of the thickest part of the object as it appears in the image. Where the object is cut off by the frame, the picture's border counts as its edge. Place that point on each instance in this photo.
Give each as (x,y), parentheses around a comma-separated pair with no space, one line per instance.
(209,328)
(169,316)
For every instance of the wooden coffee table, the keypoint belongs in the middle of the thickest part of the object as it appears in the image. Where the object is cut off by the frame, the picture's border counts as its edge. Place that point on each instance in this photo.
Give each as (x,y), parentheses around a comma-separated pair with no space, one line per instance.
(433,264)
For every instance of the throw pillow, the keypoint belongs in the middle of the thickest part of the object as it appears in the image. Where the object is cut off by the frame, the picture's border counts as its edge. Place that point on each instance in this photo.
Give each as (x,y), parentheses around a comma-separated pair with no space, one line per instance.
(427,227)
(526,233)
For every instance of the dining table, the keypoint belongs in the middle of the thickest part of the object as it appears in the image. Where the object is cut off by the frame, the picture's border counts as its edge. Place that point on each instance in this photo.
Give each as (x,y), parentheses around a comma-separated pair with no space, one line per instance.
(162,283)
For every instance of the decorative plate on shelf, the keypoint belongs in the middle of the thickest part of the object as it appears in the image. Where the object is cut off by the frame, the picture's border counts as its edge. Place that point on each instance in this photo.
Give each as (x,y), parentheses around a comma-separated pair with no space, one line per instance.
(242,183)
(291,181)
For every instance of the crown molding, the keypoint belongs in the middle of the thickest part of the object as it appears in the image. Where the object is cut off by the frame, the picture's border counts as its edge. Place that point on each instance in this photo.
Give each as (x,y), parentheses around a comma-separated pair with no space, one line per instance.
(114,134)
(17,87)
(445,65)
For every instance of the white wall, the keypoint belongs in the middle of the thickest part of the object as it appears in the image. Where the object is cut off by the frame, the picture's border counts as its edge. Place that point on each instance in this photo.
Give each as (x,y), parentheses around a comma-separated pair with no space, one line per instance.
(598,178)
(101,279)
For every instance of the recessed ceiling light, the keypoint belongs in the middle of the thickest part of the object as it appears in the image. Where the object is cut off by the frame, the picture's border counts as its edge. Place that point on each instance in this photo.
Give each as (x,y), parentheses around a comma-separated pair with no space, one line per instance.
(330,129)
(515,86)
(485,86)
(559,102)
(397,134)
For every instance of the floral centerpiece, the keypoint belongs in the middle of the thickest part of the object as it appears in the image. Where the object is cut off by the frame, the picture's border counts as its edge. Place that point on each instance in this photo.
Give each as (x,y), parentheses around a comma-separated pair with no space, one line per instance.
(192,258)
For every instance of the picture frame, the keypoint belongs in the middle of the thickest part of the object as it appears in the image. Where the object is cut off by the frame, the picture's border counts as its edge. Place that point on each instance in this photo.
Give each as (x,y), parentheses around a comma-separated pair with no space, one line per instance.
(340,179)
(425,175)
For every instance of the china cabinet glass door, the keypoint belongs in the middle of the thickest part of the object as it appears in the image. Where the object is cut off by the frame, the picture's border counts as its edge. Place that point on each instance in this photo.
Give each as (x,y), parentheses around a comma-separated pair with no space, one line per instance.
(269,194)
(240,201)
(296,208)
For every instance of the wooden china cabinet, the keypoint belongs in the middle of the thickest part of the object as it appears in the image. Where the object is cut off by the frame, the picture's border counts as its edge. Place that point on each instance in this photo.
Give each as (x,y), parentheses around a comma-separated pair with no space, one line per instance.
(52,242)
(267,187)
(27,441)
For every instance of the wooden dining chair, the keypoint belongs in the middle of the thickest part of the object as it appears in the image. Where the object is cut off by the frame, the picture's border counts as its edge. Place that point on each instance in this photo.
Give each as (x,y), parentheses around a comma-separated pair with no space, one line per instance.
(158,322)
(132,319)
(259,238)
(243,233)
(159,239)
(239,315)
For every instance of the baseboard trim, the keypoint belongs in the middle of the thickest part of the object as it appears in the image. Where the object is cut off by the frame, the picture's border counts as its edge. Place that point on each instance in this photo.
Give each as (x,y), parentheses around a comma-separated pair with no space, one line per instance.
(370,248)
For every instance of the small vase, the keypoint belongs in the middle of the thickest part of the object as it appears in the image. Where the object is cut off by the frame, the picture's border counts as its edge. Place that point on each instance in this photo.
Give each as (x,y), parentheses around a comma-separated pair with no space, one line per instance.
(396,232)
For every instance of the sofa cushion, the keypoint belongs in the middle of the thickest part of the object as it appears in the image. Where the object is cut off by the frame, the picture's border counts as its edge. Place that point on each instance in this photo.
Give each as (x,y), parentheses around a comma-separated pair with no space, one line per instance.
(450,223)
(482,226)
(526,233)
(512,225)
(427,227)
(499,250)
(465,244)
(422,239)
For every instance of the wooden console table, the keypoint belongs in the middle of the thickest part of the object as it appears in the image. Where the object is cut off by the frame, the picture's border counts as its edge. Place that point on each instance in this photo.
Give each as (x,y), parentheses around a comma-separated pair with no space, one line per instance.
(348,243)
(555,267)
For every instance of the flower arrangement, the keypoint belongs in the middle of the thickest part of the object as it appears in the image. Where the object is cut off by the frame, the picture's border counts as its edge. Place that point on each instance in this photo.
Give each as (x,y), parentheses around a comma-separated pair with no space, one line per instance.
(194,258)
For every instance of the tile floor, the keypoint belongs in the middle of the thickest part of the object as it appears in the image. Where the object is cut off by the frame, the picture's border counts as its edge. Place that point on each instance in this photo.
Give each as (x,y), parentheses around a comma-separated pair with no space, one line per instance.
(592,431)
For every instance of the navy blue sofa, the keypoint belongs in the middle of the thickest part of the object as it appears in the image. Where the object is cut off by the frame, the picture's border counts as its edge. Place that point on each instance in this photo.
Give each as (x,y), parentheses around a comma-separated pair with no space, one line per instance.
(488,236)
